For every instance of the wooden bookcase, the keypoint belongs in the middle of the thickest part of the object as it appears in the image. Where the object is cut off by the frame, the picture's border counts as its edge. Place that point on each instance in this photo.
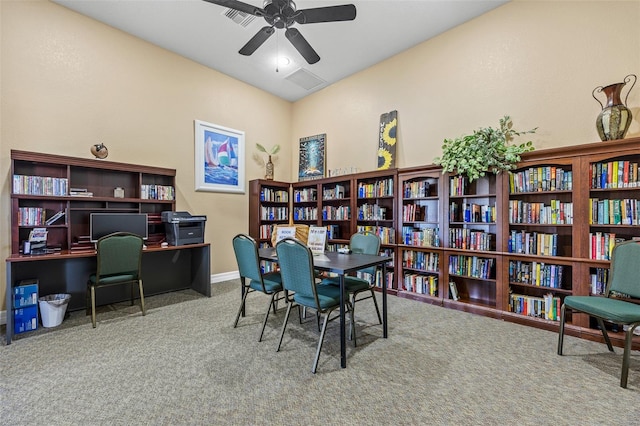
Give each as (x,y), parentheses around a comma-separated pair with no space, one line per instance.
(43,184)
(268,206)
(531,244)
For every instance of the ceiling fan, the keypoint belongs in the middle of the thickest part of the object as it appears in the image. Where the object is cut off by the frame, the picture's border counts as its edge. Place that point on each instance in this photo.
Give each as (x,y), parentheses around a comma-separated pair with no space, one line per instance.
(283,14)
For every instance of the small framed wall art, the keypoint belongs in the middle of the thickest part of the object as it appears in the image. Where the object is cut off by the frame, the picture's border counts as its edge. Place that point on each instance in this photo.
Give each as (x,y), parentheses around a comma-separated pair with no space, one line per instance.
(219,158)
(312,154)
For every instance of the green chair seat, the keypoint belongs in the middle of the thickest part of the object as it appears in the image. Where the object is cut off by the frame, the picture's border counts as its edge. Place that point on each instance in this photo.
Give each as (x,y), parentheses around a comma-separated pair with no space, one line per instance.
(614,310)
(272,283)
(328,296)
(351,284)
(113,279)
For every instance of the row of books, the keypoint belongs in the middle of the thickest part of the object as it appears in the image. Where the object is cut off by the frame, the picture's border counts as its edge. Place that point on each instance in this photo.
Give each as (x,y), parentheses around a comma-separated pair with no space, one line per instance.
(457,186)
(381,188)
(598,279)
(556,213)
(421,237)
(379,279)
(305,194)
(535,243)
(536,273)
(37,216)
(274,213)
(386,234)
(424,261)
(40,185)
(336,213)
(614,174)
(546,307)
(372,212)
(470,239)
(472,266)
(614,212)
(416,189)
(274,195)
(414,213)
(157,192)
(305,213)
(602,244)
(336,193)
(541,179)
(421,284)
(472,213)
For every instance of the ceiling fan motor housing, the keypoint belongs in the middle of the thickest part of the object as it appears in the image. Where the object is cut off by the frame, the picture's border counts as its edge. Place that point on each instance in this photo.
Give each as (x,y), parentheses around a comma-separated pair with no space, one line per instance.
(279,13)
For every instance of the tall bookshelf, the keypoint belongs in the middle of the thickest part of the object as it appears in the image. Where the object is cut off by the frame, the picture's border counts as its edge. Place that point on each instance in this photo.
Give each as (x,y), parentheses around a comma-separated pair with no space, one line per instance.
(419,248)
(46,184)
(514,244)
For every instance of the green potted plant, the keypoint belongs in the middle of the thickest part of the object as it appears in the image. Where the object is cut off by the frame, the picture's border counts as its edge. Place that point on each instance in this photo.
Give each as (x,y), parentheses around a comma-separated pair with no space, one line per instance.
(486,150)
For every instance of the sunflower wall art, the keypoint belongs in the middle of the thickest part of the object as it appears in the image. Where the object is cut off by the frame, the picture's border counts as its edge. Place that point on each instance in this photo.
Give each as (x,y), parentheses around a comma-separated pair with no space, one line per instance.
(387,140)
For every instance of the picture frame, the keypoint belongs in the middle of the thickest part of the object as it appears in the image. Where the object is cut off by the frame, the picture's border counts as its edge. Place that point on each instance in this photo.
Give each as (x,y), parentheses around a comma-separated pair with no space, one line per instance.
(219,158)
(312,157)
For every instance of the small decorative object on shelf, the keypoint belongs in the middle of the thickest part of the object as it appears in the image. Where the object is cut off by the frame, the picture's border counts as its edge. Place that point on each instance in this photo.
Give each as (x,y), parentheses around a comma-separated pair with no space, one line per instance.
(268,175)
(615,118)
(486,150)
(100,151)
(118,192)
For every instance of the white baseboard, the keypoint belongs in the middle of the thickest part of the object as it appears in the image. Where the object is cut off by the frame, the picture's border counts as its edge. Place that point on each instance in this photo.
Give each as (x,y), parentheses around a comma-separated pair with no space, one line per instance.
(216,278)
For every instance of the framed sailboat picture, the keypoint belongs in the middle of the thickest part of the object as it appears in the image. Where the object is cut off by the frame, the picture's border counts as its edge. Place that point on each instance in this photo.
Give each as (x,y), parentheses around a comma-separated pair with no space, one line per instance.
(219,158)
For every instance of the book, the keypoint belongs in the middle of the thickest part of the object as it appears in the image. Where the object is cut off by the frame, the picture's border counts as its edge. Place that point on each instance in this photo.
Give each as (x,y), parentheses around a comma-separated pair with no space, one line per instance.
(453,290)
(55,217)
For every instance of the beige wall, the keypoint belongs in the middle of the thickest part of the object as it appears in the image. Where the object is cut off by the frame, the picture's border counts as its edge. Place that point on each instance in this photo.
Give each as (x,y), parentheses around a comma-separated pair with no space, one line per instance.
(537,61)
(68,82)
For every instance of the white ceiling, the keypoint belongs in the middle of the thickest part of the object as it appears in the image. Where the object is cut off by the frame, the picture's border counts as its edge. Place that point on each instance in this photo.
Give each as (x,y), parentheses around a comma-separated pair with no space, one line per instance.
(199,31)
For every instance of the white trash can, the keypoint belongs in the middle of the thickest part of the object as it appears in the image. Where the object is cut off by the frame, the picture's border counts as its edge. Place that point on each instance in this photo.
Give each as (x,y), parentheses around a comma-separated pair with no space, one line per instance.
(52,309)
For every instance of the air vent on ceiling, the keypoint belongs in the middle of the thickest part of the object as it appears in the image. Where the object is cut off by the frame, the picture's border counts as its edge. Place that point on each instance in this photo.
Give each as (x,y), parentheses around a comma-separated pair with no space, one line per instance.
(240,18)
(305,79)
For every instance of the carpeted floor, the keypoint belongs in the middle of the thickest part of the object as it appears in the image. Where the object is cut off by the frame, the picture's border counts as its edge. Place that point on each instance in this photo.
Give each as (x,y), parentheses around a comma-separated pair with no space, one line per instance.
(184,363)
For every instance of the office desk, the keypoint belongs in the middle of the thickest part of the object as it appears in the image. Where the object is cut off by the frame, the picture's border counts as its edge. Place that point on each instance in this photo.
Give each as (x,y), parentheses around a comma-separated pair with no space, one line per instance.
(343,264)
(163,270)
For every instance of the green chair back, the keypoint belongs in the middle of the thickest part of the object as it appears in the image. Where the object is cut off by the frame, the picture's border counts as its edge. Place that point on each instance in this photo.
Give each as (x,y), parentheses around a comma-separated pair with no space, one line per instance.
(365,243)
(296,268)
(119,254)
(246,250)
(625,269)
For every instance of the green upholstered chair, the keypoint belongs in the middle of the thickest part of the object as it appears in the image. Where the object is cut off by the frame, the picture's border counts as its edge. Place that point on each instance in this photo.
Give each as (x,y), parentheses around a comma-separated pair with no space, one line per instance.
(119,262)
(252,278)
(298,280)
(366,243)
(624,279)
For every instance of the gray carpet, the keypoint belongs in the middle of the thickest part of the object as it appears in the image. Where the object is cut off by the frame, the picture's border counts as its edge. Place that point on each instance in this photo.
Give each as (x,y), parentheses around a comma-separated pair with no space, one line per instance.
(183,363)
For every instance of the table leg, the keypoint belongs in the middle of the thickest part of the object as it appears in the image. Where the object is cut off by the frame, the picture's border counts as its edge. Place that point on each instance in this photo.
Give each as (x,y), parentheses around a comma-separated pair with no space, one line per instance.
(384,300)
(343,344)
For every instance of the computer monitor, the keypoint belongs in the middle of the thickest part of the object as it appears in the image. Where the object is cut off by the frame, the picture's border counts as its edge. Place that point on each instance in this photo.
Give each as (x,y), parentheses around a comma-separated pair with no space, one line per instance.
(101,224)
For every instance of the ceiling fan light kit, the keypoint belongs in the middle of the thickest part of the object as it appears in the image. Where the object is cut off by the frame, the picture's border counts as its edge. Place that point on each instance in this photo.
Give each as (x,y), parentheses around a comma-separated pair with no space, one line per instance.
(282,14)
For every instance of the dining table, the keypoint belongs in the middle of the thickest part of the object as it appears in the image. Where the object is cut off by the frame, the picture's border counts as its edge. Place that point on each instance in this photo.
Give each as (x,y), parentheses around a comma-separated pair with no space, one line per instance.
(343,264)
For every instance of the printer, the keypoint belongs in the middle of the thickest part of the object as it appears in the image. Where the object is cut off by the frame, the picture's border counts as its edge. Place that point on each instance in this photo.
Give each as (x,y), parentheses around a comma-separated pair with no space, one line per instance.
(182,228)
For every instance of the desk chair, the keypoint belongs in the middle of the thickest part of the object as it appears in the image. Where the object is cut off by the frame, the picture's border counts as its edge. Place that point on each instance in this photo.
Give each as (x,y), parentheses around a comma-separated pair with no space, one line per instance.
(365,243)
(624,279)
(252,278)
(298,277)
(119,262)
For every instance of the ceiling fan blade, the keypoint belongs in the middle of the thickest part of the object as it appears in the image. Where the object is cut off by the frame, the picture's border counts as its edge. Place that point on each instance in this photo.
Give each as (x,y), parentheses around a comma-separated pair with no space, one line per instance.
(345,12)
(301,45)
(238,5)
(256,41)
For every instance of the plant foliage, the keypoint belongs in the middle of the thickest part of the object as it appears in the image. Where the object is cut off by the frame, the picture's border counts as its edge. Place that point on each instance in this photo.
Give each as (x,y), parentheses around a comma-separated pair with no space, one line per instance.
(486,150)
(271,151)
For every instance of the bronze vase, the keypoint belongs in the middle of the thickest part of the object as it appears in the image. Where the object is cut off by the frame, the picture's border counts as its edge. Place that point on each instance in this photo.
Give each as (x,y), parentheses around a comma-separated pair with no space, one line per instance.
(615,118)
